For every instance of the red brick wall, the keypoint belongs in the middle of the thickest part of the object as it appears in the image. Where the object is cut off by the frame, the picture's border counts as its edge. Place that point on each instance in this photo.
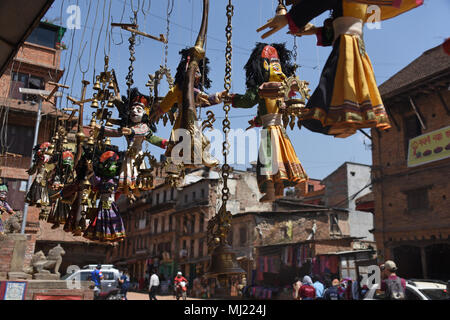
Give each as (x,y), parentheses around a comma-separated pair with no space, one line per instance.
(392,220)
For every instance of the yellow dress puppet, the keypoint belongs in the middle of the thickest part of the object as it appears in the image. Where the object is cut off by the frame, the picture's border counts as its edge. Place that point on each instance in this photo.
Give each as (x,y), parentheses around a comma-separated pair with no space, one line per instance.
(278,166)
(347,97)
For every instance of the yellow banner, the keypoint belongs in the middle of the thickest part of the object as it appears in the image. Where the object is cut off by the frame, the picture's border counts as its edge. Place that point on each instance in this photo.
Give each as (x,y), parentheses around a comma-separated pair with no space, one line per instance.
(429,147)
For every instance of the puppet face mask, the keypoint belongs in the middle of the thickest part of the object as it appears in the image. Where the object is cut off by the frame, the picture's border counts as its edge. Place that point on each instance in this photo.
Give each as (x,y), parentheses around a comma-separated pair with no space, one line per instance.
(109,164)
(137,113)
(272,64)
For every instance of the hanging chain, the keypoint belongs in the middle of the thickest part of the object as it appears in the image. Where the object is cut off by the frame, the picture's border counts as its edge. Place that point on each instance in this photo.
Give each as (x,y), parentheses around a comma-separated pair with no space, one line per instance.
(132,41)
(295,54)
(166,46)
(226,107)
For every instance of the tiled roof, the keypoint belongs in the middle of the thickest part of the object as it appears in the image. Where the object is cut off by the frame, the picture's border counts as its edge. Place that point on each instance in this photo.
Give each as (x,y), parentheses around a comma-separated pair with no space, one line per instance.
(432,63)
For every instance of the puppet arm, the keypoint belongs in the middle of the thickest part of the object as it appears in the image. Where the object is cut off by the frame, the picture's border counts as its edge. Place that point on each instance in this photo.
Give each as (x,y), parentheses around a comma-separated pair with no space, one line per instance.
(247,100)
(156,141)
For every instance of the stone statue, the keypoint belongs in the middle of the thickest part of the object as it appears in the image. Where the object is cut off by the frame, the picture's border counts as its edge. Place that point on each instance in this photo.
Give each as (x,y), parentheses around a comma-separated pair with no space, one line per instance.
(41,265)
(14,223)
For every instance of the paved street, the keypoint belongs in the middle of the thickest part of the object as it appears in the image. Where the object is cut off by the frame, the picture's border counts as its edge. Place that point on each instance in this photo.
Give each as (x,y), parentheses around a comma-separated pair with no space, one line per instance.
(144,296)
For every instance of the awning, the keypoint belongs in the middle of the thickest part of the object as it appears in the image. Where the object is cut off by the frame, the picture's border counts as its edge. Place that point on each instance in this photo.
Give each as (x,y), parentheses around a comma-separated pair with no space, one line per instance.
(18,18)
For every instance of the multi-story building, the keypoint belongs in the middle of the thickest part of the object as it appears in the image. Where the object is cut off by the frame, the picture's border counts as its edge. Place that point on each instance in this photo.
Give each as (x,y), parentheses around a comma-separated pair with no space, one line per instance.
(167,228)
(36,63)
(294,239)
(411,169)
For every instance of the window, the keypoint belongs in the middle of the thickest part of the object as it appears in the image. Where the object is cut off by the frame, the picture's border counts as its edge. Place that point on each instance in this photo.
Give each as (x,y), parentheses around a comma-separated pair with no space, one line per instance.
(243,236)
(157,198)
(163,227)
(171,194)
(201,244)
(155,225)
(170,223)
(412,130)
(203,193)
(201,222)
(20,80)
(191,249)
(165,196)
(85,275)
(310,188)
(334,224)
(44,36)
(193,195)
(185,198)
(417,199)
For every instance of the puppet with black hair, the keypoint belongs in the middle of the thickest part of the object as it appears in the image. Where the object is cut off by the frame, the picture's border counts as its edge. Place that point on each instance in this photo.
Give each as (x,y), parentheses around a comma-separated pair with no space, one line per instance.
(59,212)
(278,166)
(174,100)
(136,127)
(347,97)
(4,205)
(38,193)
(106,224)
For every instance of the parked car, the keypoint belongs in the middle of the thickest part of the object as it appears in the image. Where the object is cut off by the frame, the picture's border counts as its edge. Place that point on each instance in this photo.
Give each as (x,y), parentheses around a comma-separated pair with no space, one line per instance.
(109,284)
(416,289)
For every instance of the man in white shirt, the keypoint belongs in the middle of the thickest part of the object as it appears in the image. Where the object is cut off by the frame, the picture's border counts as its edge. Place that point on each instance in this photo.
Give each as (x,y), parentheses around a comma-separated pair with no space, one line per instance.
(153,286)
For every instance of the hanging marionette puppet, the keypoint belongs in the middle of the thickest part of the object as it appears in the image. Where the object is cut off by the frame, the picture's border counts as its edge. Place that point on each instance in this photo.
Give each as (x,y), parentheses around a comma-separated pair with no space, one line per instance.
(174,100)
(63,175)
(136,127)
(38,193)
(278,166)
(4,206)
(107,224)
(347,98)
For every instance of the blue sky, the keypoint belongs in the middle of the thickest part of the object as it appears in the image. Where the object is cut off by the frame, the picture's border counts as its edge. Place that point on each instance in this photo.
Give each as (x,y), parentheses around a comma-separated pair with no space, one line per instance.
(395,45)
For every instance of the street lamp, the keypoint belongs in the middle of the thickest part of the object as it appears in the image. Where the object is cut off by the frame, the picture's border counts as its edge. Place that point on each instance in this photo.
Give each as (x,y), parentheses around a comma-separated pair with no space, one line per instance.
(39,94)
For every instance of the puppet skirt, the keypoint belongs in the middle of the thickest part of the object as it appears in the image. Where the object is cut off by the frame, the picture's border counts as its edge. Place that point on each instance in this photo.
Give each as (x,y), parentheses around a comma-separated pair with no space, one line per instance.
(347,98)
(106,226)
(59,213)
(277,161)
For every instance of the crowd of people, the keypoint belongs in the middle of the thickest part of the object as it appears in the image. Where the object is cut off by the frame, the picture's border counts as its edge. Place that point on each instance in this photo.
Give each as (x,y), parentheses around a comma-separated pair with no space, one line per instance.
(316,288)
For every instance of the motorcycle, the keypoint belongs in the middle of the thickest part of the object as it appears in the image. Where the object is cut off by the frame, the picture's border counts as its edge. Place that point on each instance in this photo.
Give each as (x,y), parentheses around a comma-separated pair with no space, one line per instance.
(181,290)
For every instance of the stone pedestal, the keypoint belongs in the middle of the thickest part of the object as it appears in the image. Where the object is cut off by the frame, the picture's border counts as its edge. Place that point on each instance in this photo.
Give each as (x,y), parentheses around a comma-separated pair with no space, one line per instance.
(19,276)
(18,256)
(45,276)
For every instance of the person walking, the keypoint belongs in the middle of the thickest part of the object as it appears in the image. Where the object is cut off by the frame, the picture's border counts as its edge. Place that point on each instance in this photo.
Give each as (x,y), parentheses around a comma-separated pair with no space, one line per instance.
(356,289)
(97,278)
(332,293)
(154,283)
(124,284)
(307,291)
(296,287)
(393,286)
(318,285)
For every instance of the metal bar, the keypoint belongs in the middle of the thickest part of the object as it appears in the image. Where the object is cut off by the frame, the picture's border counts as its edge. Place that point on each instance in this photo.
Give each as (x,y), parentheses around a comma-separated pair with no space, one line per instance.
(416,111)
(36,133)
(364,133)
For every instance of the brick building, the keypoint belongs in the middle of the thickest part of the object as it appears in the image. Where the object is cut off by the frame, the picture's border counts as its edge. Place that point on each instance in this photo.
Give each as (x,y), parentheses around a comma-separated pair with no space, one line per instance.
(167,228)
(36,63)
(411,170)
(294,239)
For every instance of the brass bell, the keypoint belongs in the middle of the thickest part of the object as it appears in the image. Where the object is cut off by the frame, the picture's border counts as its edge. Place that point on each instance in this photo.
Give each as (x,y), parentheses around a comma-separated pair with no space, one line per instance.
(65,141)
(111,85)
(94,103)
(108,141)
(86,183)
(50,150)
(110,104)
(90,141)
(97,85)
(92,123)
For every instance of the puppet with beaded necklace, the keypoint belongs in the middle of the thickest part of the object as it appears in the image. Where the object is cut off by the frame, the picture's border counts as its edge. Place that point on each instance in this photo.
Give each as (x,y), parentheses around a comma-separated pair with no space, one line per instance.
(278,166)
(136,127)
